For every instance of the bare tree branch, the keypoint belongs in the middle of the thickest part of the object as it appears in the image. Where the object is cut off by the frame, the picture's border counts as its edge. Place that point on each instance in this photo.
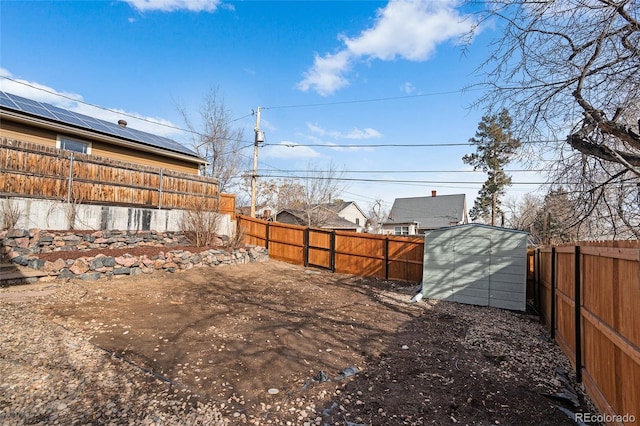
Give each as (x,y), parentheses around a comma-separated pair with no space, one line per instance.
(215,140)
(572,68)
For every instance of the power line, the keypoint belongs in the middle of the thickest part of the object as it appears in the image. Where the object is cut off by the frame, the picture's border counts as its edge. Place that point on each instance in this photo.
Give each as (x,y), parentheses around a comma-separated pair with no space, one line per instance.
(395,145)
(96,106)
(439,183)
(411,171)
(394,180)
(364,197)
(125,114)
(289,145)
(359,101)
(240,118)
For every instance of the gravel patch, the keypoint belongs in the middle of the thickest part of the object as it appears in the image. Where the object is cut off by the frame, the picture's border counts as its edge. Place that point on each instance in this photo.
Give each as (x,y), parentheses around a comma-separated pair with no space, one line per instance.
(51,376)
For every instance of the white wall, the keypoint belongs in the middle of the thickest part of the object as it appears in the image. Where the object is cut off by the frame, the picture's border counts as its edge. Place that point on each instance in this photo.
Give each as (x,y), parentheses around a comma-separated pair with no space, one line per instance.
(351,213)
(57,215)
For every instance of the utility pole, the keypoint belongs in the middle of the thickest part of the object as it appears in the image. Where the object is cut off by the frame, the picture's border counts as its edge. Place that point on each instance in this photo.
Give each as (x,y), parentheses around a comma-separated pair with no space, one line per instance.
(259,137)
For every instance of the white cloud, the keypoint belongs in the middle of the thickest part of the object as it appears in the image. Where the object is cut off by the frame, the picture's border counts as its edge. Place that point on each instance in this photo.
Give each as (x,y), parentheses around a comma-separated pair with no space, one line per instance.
(267,125)
(354,148)
(366,133)
(326,75)
(285,149)
(36,91)
(173,5)
(409,30)
(408,88)
(404,29)
(74,102)
(317,129)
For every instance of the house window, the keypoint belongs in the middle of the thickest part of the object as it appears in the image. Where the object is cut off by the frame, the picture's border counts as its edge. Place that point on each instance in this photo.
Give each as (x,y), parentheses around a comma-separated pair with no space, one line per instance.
(358,221)
(74,145)
(401,230)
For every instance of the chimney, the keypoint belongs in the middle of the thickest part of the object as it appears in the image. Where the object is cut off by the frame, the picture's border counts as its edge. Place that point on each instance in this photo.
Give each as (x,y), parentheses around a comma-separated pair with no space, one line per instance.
(433,193)
(122,123)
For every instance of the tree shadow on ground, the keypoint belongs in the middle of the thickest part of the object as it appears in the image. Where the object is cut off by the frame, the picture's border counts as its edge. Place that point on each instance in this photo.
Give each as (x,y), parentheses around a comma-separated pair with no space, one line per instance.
(231,334)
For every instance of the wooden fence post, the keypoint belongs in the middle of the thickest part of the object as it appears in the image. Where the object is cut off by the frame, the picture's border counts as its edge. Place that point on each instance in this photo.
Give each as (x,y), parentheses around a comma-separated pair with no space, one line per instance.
(577,305)
(332,255)
(552,320)
(160,192)
(306,247)
(386,258)
(537,280)
(266,236)
(69,184)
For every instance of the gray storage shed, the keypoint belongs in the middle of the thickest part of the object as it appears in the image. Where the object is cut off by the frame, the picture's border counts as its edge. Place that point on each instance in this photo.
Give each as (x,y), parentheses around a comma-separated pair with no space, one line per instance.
(476,264)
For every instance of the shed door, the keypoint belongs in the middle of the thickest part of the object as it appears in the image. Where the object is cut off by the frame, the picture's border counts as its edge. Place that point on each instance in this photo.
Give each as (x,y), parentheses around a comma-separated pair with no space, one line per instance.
(472,258)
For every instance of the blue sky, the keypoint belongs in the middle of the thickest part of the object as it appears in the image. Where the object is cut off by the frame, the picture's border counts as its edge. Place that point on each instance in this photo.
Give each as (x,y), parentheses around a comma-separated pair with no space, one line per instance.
(325,73)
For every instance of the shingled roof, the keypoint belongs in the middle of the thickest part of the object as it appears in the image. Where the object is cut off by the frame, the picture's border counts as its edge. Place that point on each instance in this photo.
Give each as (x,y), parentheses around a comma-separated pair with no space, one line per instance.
(429,212)
(330,221)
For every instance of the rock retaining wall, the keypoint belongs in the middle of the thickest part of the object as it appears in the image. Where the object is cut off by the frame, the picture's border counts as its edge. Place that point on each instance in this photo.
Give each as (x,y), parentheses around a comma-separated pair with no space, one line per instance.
(25,247)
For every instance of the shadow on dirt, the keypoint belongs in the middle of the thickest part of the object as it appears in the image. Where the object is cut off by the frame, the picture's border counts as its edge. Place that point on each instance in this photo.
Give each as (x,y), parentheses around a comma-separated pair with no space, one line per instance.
(232,334)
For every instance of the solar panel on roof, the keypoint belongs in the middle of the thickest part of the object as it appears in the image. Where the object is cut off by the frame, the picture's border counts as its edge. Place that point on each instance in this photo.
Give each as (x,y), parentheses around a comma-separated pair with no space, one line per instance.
(72,119)
(35,109)
(68,116)
(6,101)
(90,120)
(57,110)
(15,102)
(25,101)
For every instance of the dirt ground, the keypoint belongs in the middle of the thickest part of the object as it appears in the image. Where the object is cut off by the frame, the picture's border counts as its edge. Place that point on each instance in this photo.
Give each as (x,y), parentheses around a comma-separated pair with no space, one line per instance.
(259,340)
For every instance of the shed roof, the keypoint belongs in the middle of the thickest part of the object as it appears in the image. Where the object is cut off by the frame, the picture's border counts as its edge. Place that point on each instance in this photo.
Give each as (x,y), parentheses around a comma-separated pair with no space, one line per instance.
(30,108)
(430,212)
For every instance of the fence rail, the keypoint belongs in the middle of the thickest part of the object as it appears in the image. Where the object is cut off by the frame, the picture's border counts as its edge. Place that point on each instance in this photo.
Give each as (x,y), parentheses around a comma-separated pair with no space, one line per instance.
(387,257)
(589,297)
(32,170)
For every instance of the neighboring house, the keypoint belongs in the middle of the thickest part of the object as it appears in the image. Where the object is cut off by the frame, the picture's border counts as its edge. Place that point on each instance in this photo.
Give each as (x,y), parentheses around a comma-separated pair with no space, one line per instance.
(416,215)
(329,220)
(350,211)
(265,212)
(44,124)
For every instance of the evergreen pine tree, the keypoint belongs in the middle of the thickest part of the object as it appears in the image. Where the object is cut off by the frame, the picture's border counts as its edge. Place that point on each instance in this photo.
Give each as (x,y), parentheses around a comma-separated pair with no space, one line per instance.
(495,147)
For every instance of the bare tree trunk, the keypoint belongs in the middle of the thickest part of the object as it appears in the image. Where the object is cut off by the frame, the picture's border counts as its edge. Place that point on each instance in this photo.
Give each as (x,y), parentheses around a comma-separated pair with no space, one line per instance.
(494,204)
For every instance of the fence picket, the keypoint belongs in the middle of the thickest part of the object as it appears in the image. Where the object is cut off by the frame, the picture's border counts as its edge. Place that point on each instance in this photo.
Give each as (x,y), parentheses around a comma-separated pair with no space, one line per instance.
(386,257)
(32,170)
(600,286)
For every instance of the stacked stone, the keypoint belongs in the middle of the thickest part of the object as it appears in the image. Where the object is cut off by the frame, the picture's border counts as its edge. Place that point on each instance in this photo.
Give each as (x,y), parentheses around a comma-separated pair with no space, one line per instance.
(38,241)
(22,247)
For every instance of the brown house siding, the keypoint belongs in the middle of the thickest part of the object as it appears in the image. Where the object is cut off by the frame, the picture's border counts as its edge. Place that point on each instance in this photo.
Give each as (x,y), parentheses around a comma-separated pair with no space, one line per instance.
(48,137)
(12,130)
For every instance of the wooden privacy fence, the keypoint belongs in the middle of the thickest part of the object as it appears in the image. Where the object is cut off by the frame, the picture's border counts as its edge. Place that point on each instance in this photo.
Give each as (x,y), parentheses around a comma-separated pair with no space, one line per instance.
(589,296)
(388,257)
(32,170)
